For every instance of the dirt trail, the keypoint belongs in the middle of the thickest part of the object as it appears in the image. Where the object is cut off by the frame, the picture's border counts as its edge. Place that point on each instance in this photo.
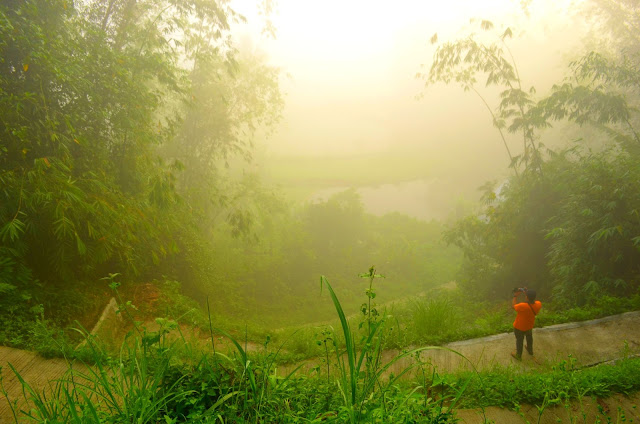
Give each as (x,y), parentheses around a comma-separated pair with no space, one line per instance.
(590,342)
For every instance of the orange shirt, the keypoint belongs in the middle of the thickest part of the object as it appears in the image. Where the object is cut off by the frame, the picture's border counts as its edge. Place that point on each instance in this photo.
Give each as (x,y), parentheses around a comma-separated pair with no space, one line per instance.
(525,317)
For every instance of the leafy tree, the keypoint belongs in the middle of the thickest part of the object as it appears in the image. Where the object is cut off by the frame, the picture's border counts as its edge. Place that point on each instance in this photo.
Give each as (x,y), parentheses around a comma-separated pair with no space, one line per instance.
(336,225)
(504,246)
(595,232)
(568,223)
(229,103)
(91,93)
(466,61)
(72,158)
(615,26)
(601,93)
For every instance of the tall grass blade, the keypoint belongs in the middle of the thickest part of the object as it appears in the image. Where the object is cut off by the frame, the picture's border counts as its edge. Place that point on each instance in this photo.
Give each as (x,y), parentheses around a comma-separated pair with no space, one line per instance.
(213,345)
(220,401)
(241,351)
(348,339)
(91,406)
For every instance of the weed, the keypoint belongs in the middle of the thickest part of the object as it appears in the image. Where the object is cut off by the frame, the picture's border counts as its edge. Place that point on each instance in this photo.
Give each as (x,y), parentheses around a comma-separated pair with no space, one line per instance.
(157,378)
(358,388)
(434,316)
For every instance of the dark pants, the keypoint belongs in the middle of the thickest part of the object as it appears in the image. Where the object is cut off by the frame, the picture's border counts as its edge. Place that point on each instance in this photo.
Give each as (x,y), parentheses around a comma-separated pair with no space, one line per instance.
(520,335)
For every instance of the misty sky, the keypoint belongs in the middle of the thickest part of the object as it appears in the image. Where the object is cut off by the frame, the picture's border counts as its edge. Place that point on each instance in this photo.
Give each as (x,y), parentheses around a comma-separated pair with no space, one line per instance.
(351,66)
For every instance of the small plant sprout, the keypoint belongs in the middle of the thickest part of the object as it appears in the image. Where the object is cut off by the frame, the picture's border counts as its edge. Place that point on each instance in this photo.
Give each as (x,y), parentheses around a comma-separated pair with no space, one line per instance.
(369,309)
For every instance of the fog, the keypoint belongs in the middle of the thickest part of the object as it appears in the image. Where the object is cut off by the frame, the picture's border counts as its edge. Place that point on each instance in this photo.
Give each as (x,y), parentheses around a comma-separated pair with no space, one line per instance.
(350,88)
(262,218)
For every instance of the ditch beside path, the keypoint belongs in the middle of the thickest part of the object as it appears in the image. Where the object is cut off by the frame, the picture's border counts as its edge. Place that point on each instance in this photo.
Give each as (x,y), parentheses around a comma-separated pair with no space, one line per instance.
(590,342)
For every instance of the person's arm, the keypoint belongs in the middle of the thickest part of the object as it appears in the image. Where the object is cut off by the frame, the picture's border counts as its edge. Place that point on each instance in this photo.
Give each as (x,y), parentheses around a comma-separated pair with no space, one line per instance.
(514,301)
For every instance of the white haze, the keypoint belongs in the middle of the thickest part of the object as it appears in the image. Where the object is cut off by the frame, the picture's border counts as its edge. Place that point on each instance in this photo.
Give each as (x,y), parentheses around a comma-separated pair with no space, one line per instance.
(352,65)
(349,71)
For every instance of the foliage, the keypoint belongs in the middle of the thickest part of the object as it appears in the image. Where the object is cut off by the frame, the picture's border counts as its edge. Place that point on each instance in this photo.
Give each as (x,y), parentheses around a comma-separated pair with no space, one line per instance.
(572,231)
(93,97)
(595,246)
(504,246)
(565,382)
(28,320)
(269,279)
(358,386)
(567,223)
(171,383)
(434,316)
(467,60)
(158,378)
(155,379)
(602,93)
(607,16)
(73,158)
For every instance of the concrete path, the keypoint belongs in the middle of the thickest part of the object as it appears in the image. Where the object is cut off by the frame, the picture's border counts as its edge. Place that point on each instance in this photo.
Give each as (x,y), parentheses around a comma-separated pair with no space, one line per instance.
(590,342)
(38,372)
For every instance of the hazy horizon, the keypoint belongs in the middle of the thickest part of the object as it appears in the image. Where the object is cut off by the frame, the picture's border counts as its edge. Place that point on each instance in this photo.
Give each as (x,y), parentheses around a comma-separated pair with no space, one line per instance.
(349,72)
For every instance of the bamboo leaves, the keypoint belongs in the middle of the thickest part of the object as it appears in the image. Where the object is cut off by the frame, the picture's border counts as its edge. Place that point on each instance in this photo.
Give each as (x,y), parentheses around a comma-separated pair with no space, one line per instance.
(11,231)
(91,95)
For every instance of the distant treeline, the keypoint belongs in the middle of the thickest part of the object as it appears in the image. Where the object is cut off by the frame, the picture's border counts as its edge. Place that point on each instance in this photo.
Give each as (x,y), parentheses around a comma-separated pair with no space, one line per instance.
(275,277)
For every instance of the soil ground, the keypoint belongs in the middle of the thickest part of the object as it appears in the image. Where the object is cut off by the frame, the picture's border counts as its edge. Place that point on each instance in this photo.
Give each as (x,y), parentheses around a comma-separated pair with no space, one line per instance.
(590,342)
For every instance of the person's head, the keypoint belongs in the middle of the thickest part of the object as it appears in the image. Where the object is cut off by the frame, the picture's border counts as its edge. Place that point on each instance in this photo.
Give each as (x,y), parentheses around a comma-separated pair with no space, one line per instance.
(531,295)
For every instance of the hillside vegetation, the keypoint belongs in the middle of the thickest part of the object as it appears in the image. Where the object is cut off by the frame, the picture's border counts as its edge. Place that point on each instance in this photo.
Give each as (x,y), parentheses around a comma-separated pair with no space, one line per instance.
(122,123)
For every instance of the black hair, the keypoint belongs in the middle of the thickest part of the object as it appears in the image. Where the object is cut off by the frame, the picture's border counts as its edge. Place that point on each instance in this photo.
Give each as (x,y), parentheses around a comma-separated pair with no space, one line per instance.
(531,296)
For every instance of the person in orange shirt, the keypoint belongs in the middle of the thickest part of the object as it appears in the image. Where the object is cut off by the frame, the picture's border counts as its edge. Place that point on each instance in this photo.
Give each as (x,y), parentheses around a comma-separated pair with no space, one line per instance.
(525,319)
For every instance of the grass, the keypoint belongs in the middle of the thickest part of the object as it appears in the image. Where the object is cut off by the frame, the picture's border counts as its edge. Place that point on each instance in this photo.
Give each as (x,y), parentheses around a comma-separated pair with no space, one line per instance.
(434,318)
(440,316)
(28,324)
(564,382)
(316,173)
(166,385)
(156,378)
(362,371)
